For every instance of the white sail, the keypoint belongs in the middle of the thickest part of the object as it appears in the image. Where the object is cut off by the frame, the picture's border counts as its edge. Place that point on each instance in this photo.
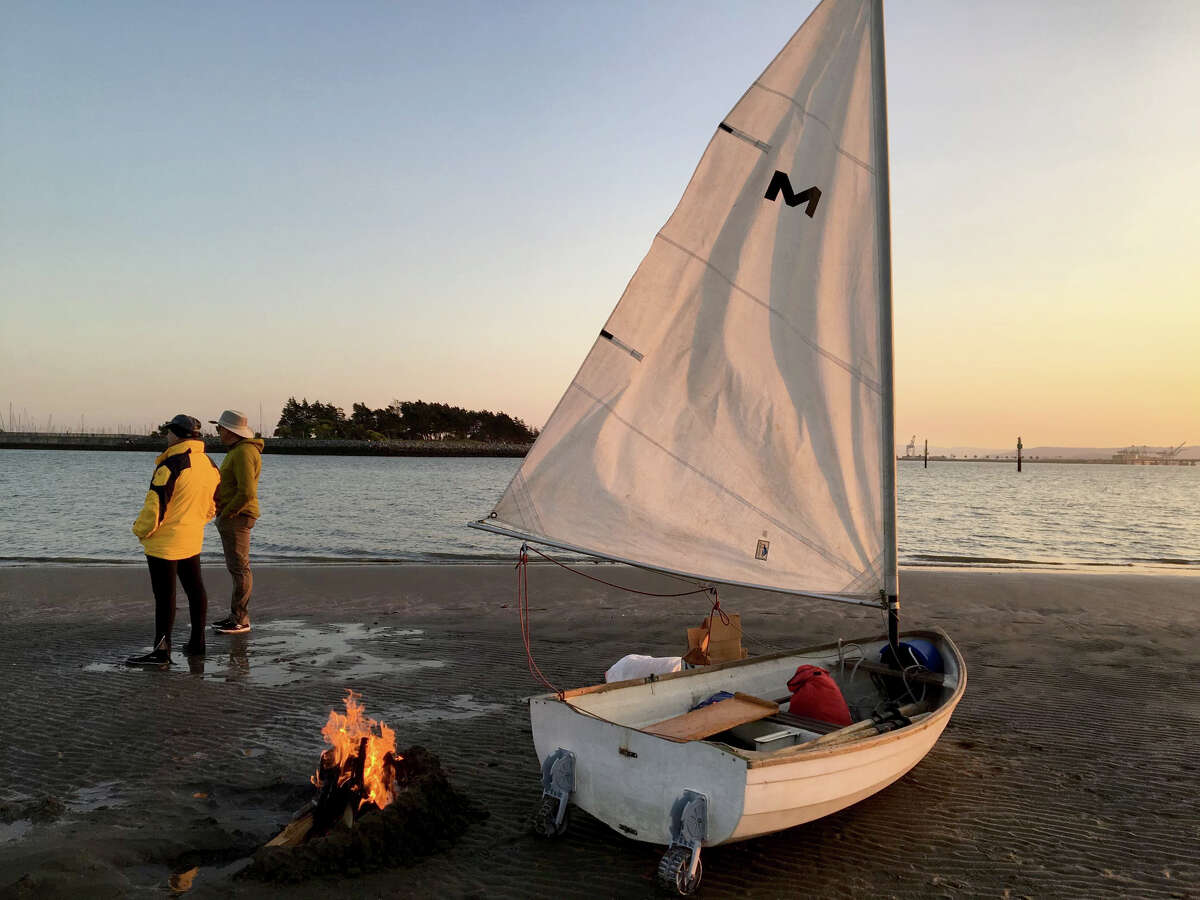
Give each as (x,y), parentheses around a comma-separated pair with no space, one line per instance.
(729,422)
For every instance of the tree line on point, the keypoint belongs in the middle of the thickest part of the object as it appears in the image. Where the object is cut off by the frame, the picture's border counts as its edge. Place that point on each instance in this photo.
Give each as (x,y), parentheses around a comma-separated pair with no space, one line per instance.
(401,420)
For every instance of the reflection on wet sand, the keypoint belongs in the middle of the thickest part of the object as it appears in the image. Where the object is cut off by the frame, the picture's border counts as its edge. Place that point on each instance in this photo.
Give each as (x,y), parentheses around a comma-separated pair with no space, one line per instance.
(288,650)
(237,663)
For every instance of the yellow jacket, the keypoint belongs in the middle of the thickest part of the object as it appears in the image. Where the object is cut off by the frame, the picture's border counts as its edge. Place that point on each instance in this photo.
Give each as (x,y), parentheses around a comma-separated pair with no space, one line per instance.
(238,493)
(179,503)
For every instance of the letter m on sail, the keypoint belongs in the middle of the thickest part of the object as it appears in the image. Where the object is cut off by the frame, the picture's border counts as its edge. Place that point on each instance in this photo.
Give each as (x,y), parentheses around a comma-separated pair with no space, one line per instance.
(779,183)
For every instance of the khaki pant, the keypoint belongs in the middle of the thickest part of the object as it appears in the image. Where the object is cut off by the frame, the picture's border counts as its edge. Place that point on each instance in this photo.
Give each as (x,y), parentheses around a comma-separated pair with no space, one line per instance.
(235,539)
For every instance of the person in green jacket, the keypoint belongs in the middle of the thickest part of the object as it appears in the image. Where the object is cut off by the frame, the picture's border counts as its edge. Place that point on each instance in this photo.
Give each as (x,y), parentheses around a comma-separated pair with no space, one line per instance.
(237,511)
(171,528)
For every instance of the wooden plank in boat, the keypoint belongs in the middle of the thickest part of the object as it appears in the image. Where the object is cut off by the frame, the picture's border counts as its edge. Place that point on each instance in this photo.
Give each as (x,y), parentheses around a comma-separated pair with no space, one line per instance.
(915,677)
(706,721)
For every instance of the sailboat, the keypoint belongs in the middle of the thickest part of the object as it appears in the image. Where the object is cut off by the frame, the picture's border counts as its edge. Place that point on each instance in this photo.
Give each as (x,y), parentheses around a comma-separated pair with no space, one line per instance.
(733,424)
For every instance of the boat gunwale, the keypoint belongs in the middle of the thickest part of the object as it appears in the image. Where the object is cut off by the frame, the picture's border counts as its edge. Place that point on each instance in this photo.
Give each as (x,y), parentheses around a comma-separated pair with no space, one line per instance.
(937,718)
(796,753)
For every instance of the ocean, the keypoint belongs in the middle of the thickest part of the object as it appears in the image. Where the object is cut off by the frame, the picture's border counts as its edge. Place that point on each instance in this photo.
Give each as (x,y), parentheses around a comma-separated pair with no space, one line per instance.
(72,507)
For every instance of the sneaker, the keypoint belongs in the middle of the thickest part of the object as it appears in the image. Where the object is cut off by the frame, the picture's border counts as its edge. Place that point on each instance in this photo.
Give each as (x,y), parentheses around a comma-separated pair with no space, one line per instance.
(193,648)
(223,623)
(158,659)
(231,627)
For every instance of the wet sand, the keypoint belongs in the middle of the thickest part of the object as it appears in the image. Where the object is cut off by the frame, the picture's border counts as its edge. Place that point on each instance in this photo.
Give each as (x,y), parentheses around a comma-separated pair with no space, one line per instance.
(1070,768)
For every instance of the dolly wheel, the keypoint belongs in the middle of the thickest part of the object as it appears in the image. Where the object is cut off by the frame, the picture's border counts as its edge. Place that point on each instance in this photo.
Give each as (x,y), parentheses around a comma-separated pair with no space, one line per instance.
(673,874)
(545,819)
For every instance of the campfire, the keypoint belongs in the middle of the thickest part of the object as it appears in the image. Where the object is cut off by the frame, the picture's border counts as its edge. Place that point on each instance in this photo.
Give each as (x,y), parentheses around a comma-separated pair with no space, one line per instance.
(374,807)
(359,772)
(361,765)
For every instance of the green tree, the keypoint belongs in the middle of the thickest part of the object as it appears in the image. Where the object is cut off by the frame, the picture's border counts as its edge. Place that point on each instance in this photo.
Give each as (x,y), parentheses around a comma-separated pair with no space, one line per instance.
(402,419)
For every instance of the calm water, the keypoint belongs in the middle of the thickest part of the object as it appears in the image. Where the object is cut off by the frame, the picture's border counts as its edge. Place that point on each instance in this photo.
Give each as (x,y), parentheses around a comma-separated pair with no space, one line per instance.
(70,506)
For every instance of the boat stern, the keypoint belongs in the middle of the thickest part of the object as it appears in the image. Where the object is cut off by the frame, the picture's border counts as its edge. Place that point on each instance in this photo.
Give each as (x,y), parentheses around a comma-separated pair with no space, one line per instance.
(631,780)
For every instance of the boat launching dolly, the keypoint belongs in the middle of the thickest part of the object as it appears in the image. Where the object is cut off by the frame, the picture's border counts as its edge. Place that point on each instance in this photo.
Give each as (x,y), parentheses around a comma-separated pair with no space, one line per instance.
(558,781)
(679,870)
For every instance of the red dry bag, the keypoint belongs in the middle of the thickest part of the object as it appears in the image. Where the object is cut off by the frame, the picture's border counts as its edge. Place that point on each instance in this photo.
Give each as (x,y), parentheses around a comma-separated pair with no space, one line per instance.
(816,695)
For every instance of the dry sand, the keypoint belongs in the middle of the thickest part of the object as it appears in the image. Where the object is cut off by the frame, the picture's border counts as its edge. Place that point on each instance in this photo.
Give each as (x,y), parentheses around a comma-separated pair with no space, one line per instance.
(1069,770)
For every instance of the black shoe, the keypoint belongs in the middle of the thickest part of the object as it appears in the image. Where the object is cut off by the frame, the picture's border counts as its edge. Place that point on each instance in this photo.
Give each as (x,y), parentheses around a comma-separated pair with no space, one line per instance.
(221,624)
(159,659)
(193,648)
(232,627)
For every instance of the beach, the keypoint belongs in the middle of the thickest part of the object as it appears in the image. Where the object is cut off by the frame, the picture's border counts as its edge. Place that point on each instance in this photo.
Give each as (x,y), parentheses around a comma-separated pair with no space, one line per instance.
(1069,768)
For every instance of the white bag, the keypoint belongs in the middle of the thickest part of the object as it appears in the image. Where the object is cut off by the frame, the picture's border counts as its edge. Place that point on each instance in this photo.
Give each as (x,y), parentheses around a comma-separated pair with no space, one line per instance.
(636,666)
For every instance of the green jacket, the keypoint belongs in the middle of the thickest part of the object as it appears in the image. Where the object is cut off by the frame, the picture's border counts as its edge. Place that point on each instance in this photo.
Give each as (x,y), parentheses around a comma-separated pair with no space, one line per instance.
(237,494)
(179,502)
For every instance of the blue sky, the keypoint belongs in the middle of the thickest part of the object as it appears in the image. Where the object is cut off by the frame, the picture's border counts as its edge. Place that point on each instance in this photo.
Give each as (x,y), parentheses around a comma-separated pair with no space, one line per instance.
(222,205)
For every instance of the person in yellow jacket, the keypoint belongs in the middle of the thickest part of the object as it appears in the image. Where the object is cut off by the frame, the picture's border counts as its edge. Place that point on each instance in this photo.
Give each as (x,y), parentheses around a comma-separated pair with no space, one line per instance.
(237,511)
(171,528)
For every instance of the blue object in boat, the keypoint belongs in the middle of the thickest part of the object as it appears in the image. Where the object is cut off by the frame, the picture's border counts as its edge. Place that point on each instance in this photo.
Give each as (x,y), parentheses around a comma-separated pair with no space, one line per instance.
(915,650)
(715,698)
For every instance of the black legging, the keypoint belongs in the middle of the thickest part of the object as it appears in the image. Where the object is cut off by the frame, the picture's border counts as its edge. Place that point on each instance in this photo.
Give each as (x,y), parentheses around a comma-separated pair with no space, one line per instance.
(162,581)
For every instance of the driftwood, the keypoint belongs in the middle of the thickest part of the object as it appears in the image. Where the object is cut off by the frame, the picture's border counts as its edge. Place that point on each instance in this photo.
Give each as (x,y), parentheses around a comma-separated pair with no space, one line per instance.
(295,832)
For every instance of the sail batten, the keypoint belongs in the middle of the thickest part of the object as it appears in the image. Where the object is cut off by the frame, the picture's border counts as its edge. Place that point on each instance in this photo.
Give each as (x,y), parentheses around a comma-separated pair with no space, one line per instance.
(833,358)
(729,420)
(846,153)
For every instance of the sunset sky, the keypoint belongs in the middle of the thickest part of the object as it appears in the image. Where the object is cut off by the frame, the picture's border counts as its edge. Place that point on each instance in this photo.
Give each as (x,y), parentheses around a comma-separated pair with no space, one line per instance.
(226,204)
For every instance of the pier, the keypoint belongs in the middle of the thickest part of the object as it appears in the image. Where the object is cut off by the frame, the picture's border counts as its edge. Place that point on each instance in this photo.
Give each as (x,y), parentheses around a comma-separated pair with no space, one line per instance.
(1144,456)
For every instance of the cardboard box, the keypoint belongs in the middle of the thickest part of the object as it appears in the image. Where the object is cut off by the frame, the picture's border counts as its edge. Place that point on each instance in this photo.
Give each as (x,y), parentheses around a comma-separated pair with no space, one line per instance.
(722,644)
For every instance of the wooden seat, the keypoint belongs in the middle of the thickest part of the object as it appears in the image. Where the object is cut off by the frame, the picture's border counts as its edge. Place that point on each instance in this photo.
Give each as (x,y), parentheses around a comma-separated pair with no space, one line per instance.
(706,721)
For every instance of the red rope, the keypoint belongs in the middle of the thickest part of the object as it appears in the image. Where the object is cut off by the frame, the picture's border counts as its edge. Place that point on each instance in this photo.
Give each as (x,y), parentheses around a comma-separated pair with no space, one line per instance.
(523,606)
(523,612)
(716,610)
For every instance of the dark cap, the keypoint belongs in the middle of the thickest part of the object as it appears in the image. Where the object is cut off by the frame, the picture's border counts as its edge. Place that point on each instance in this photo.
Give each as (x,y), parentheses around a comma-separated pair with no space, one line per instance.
(184,426)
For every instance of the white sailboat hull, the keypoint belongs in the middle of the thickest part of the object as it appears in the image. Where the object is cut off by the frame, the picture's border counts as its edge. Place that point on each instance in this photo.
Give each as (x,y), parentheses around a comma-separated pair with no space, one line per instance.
(631,779)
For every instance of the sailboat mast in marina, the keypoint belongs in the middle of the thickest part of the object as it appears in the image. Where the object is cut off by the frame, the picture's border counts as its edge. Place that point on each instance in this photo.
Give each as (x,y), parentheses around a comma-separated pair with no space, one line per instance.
(732,424)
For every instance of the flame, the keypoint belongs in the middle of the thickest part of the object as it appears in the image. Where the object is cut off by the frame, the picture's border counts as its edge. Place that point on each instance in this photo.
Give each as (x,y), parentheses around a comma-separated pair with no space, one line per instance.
(344,734)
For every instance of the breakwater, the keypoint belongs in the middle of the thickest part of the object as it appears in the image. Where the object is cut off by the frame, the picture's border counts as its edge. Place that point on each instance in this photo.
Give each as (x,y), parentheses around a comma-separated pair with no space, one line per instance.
(17,440)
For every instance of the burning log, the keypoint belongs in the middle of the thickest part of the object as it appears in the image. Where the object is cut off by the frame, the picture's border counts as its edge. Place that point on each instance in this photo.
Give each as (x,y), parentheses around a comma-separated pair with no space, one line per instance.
(357,772)
(373,807)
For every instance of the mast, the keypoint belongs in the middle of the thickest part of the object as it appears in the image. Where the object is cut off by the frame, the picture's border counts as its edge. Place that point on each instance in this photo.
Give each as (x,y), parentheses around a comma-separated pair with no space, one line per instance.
(883,224)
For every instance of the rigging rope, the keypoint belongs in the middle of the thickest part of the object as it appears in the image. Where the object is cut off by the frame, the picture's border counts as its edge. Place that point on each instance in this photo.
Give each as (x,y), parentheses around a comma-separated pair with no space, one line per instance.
(523,606)
(620,587)
(523,613)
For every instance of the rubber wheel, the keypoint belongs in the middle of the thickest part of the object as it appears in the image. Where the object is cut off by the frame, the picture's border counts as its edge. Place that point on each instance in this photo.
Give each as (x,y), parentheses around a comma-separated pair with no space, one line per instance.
(673,872)
(545,819)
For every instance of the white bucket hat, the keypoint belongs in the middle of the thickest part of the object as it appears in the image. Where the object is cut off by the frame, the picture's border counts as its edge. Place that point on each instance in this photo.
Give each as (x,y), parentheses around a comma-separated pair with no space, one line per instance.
(234,421)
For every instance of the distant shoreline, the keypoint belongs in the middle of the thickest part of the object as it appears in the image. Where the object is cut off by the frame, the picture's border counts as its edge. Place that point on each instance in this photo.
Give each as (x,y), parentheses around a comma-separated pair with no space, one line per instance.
(15,440)
(334,447)
(1025,460)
